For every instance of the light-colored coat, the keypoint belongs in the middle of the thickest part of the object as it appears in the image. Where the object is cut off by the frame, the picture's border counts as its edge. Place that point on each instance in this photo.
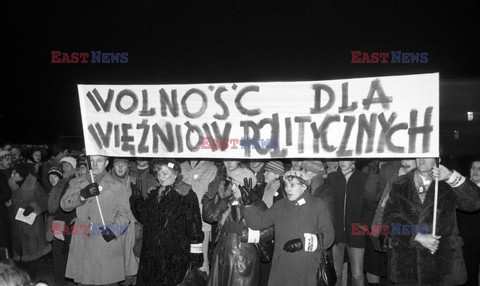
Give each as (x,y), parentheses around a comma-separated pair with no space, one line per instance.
(91,259)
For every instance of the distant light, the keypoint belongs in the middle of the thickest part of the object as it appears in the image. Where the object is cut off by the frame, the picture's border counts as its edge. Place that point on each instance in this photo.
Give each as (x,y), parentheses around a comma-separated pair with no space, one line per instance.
(470,115)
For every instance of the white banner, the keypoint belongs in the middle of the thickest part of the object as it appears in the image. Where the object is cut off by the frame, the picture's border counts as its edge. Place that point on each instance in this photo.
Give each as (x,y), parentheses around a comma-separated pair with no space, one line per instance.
(381,117)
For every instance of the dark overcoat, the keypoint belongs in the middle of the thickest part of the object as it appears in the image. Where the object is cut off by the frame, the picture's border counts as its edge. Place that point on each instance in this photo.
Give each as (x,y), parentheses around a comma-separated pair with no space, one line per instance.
(412,263)
(171,222)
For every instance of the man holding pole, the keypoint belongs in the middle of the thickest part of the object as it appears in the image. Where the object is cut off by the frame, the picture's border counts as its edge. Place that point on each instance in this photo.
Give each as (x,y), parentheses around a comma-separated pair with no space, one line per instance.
(103,214)
(428,251)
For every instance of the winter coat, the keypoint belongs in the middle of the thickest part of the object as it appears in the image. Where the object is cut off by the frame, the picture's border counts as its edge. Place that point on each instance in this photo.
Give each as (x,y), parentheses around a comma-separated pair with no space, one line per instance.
(92,260)
(292,219)
(5,196)
(411,262)
(235,261)
(171,223)
(29,241)
(348,202)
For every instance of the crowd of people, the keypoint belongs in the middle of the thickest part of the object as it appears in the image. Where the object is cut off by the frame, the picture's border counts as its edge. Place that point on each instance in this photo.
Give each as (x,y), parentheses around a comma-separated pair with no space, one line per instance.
(139,221)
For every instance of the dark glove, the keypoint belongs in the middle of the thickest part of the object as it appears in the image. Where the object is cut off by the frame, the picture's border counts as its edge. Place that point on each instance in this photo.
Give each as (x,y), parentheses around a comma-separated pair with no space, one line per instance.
(196,259)
(136,190)
(28,210)
(90,191)
(246,191)
(107,234)
(212,190)
(293,245)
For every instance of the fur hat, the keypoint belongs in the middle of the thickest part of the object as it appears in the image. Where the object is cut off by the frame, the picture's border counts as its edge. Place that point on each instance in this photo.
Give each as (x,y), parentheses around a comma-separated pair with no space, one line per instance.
(172,164)
(239,174)
(275,167)
(70,160)
(4,154)
(313,166)
(55,171)
(300,175)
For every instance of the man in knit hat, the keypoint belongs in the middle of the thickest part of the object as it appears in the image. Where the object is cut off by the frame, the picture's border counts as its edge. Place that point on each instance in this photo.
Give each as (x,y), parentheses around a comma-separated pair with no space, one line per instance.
(54,175)
(273,190)
(303,228)
(58,151)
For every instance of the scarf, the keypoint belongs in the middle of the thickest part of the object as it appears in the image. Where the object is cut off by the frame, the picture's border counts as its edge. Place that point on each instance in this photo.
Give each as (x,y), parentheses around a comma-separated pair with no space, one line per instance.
(422,184)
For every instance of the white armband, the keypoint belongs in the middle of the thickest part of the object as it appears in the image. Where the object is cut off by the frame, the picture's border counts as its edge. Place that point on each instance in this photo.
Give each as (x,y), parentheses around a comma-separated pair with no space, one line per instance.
(196,248)
(311,242)
(455,179)
(253,236)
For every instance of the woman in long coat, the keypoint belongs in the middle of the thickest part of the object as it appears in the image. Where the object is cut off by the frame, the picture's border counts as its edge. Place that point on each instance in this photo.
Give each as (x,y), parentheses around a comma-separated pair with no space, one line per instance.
(29,243)
(235,260)
(172,227)
(296,218)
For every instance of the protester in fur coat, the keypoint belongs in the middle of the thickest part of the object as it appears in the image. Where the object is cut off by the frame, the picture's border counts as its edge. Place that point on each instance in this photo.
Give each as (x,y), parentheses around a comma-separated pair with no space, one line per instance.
(418,257)
(172,227)
(29,243)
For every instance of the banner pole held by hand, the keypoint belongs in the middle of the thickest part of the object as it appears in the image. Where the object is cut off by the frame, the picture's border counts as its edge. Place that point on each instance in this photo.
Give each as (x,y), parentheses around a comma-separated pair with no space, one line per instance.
(89,165)
(435,202)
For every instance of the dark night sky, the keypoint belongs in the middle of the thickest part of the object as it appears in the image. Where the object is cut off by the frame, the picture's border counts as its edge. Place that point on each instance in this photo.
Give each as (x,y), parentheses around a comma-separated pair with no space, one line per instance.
(222,41)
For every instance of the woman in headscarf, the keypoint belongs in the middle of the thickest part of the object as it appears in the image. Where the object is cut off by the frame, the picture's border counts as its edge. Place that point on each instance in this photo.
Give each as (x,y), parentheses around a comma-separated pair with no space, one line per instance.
(172,227)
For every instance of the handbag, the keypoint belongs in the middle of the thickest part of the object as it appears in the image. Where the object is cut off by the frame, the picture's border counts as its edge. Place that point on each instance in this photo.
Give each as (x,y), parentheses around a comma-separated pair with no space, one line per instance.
(326,272)
(194,277)
(265,250)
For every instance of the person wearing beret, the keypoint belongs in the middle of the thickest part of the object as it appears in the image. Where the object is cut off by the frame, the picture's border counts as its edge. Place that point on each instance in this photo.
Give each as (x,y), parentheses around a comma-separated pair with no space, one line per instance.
(303,228)
(172,227)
